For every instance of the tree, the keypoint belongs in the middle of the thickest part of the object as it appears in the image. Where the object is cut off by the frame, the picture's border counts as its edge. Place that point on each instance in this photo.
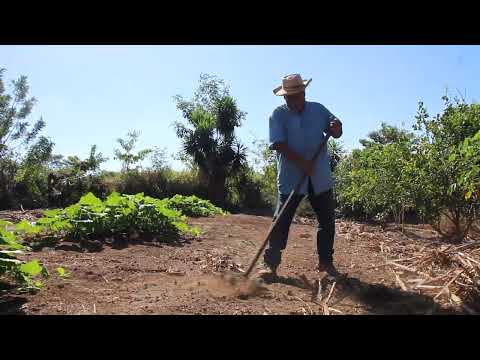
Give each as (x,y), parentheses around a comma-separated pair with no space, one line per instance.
(126,154)
(22,155)
(94,160)
(447,160)
(387,134)
(209,138)
(74,165)
(72,177)
(336,152)
(159,158)
(15,129)
(31,173)
(265,161)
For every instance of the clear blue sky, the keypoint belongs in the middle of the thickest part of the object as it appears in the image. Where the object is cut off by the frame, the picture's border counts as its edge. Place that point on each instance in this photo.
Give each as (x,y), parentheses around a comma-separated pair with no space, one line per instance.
(95,94)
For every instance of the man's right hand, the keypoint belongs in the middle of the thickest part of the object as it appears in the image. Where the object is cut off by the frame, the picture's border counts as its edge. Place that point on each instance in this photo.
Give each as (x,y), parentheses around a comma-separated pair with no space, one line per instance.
(307,166)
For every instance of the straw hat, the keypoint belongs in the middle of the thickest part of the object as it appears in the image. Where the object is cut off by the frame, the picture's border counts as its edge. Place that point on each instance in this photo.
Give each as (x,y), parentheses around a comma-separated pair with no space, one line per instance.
(291,84)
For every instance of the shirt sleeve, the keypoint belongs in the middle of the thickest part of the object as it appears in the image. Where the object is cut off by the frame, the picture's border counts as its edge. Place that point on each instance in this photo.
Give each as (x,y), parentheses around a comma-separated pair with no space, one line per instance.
(276,129)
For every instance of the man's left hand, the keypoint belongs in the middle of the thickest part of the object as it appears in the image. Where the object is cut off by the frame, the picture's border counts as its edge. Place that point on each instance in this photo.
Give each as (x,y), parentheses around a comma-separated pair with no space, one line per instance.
(335,128)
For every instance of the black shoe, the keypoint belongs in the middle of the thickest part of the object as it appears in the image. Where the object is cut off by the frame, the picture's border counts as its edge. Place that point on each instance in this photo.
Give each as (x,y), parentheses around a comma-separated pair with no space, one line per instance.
(265,270)
(329,268)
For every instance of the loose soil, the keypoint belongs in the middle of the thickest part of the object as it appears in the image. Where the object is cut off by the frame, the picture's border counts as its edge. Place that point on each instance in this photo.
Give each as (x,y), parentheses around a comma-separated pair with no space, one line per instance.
(183,277)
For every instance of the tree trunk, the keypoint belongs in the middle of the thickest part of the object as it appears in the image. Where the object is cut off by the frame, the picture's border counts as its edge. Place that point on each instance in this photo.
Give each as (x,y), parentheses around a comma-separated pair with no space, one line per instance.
(203,177)
(467,228)
(454,216)
(402,218)
(216,189)
(458,227)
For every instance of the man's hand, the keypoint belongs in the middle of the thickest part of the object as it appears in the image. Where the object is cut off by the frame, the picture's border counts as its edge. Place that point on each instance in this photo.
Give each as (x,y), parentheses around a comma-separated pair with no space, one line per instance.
(306,166)
(335,128)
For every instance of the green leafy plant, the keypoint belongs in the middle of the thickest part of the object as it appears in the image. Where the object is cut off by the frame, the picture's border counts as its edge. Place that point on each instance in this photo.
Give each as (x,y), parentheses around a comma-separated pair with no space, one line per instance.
(193,206)
(62,273)
(24,273)
(117,214)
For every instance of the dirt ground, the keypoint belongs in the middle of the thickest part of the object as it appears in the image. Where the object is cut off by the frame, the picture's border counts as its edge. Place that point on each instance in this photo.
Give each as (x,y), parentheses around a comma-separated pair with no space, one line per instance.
(176,278)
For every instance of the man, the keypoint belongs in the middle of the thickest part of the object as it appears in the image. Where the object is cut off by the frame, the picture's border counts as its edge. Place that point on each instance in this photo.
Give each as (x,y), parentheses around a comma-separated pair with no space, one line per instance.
(296,130)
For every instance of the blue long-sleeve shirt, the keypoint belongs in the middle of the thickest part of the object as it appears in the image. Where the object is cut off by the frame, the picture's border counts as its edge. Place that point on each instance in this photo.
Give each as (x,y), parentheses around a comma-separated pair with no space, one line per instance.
(303,133)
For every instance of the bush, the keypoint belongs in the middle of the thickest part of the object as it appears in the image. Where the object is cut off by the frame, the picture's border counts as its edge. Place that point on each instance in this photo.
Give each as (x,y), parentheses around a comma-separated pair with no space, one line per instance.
(305,209)
(266,161)
(376,182)
(69,188)
(23,183)
(134,182)
(433,176)
(111,181)
(244,191)
(156,183)
(31,191)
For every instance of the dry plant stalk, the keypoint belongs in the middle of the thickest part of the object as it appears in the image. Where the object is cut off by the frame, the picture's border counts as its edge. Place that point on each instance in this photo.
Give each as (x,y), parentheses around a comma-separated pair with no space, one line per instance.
(438,265)
(326,310)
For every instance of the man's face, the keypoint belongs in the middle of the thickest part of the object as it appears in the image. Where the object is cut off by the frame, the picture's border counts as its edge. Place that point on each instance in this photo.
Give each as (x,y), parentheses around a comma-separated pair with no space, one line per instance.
(295,102)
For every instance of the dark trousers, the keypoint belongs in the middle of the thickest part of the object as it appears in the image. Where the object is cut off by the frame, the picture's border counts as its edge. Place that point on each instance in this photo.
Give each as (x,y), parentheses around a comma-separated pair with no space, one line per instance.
(324,206)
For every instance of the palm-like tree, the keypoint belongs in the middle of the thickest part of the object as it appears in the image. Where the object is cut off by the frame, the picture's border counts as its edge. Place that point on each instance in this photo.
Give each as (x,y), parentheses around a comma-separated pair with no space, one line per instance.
(209,135)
